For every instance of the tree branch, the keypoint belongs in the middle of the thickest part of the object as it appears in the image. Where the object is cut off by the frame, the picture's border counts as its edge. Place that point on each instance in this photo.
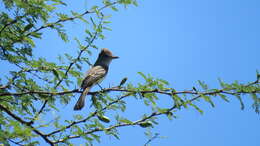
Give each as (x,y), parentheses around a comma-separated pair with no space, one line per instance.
(116,89)
(153,114)
(12,22)
(69,19)
(151,139)
(168,92)
(29,124)
(90,116)
(17,143)
(69,67)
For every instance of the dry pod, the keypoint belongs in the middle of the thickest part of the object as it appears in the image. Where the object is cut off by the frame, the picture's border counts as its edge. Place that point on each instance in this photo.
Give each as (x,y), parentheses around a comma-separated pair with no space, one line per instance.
(103,119)
(146,124)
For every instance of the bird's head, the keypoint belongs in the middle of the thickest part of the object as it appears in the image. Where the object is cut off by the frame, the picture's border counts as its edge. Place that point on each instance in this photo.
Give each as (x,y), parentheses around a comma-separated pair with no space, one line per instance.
(107,53)
(105,57)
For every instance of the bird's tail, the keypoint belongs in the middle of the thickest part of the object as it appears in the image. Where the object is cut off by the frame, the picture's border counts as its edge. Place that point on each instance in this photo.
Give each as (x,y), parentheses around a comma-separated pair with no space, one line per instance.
(81,101)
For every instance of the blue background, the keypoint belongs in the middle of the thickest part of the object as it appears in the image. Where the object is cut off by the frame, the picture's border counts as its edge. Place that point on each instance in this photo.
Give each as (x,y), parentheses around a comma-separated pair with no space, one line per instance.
(181,41)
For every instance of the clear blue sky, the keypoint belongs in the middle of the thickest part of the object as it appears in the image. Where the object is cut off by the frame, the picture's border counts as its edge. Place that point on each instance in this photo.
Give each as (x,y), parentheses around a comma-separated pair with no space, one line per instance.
(182,41)
(185,41)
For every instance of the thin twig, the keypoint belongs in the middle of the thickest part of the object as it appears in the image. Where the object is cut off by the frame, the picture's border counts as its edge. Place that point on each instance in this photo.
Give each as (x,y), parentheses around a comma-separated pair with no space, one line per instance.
(151,139)
(69,67)
(29,124)
(90,116)
(69,19)
(12,22)
(17,143)
(137,122)
(115,89)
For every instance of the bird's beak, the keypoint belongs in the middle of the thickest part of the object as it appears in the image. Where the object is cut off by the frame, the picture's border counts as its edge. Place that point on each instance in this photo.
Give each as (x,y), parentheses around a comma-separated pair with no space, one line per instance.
(115,57)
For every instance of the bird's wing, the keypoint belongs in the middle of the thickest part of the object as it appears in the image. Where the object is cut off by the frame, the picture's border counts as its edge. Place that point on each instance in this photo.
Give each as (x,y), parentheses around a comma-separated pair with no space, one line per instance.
(94,75)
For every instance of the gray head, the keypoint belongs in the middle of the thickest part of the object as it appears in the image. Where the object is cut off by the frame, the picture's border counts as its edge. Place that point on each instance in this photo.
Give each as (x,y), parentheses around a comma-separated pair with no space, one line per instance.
(107,53)
(105,57)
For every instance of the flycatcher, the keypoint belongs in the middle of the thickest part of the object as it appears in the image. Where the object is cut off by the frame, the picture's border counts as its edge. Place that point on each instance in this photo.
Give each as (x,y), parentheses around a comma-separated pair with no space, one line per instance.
(95,75)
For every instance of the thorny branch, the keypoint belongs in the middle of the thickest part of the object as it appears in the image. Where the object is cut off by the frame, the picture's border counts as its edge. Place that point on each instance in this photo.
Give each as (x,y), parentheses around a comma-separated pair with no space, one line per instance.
(69,19)
(137,122)
(90,116)
(30,123)
(17,143)
(12,22)
(129,92)
(116,89)
(74,61)
(69,67)
(24,70)
(154,114)
(168,92)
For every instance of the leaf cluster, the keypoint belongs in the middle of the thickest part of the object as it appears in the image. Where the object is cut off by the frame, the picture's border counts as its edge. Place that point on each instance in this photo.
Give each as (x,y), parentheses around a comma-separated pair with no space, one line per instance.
(34,87)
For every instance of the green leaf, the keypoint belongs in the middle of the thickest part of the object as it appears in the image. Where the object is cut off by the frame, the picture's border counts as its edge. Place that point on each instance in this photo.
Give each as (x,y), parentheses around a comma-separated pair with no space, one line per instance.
(170,115)
(107,28)
(106,22)
(114,8)
(124,120)
(224,85)
(240,100)
(203,85)
(62,16)
(88,32)
(177,100)
(94,8)
(135,3)
(256,104)
(36,34)
(93,22)
(142,74)
(224,97)
(63,36)
(197,108)
(96,137)
(207,99)
(163,81)
(78,117)
(162,110)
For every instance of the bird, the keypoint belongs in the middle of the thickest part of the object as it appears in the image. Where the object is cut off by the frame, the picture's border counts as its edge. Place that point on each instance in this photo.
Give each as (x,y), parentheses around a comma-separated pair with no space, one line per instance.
(95,75)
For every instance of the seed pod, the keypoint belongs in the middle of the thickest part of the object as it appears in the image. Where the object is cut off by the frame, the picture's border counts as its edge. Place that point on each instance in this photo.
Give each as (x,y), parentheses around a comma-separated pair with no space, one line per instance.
(28,27)
(146,124)
(103,119)
(123,81)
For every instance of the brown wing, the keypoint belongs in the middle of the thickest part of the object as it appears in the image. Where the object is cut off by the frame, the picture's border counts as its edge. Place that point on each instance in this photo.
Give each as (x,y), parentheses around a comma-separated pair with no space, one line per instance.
(94,75)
